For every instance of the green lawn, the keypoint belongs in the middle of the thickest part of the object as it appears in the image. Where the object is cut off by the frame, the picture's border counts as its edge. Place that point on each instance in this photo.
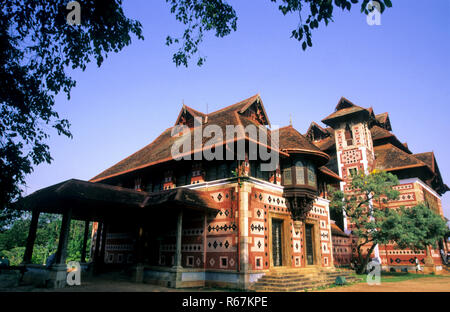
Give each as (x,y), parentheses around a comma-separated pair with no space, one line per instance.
(390,277)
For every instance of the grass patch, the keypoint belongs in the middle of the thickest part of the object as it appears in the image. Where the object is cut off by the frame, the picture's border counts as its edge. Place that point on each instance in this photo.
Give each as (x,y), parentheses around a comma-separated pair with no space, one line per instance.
(390,277)
(386,277)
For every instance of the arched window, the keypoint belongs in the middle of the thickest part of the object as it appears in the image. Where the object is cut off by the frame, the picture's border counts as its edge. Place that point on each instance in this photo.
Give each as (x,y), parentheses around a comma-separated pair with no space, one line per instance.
(299,172)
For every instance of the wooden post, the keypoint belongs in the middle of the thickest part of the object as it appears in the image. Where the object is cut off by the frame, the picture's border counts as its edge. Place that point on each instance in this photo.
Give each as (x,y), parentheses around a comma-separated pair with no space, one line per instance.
(205,229)
(85,238)
(31,237)
(103,249)
(98,236)
(179,236)
(63,237)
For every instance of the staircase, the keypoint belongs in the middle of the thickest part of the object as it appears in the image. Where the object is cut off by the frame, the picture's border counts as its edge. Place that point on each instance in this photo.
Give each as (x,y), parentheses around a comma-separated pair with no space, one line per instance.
(301,279)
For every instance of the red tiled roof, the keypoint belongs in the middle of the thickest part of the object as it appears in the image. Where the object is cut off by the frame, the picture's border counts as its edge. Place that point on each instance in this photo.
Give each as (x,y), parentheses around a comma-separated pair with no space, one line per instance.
(380,133)
(343,112)
(335,230)
(389,157)
(381,117)
(330,173)
(159,150)
(427,158)
(293,141)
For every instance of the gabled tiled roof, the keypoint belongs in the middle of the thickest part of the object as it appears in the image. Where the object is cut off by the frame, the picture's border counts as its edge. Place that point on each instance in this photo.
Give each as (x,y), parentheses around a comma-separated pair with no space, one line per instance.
(343,108)
(427,158)
(382,118)
(159,150)
(381,136)
(343,112)
(336,231)
(389,157)
(293,141)
(330,173)
(326,143)
(380,133)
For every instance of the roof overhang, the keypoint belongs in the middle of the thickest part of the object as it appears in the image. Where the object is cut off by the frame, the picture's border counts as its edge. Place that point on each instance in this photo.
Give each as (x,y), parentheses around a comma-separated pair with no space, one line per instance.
(96,201)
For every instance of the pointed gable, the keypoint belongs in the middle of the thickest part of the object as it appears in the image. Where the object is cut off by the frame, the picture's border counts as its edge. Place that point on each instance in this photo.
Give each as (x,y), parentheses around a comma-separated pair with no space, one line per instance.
(383,121)
(345,110)
(344,103)
(187,115)
(247,112)
(316,132)
(255,110)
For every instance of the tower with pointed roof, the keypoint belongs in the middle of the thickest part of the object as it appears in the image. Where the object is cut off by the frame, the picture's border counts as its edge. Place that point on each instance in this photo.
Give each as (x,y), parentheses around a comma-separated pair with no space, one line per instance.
(359,140)
(353,141)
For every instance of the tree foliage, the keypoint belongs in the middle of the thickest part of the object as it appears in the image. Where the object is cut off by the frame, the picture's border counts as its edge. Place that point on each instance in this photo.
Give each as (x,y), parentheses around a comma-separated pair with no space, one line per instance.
(366,210)
(372,222)
(13,240)
(37,47)
(200,16)
(421,227)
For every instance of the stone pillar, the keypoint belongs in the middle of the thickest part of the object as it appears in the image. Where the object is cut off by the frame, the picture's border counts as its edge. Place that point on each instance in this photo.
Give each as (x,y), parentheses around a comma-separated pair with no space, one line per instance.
(177,265)
(244,194)
(58,271)
(85,238)
(31,237)
(139,273)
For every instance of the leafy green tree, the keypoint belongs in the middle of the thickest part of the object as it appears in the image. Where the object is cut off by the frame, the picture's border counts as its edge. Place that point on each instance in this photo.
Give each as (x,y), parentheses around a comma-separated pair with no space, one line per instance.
(14,255)
(37,46)
(16,235)
(366,210)
(421,227)
(200,16)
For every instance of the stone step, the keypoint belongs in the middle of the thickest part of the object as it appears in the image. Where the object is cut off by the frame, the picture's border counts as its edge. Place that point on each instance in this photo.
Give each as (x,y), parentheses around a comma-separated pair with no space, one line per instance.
(291,288)
(301,276)
(300,280)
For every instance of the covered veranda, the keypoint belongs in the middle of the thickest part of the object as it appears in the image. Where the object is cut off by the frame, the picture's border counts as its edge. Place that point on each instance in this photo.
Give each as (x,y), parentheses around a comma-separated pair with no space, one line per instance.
(108,206)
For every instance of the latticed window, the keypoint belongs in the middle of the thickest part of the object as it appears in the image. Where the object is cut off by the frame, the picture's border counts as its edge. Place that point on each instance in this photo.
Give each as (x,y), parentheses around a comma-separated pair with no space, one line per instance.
(287,176)
(311,175)
(300,172)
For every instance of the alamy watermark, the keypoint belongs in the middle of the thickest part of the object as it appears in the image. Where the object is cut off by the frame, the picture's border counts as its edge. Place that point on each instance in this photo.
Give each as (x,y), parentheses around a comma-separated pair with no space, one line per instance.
(73,273)
(374,15)
(374,273)
(74,16)
(213,149)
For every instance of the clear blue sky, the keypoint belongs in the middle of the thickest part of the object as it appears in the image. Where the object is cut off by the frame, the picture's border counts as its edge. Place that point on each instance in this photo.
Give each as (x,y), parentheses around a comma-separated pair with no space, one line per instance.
(401,67)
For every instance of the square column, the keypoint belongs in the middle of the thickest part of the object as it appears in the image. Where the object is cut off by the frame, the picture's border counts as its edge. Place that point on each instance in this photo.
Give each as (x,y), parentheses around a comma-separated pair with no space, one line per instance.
(85,238)
(177,263)
(58,271)
(31,237)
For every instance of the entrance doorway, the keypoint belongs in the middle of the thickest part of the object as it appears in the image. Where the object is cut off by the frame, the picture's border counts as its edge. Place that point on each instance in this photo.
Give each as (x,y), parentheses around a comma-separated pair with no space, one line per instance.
(277,226)
(309,233)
